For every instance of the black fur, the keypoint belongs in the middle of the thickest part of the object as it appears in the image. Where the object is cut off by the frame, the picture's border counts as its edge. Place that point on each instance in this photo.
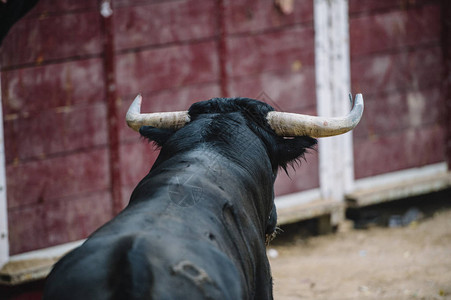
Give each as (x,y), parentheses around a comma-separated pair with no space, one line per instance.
(11,12)
(196,225)
(282,151)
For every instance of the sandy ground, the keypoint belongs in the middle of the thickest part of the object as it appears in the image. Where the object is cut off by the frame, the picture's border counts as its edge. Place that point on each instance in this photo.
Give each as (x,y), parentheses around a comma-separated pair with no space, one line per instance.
(412,262)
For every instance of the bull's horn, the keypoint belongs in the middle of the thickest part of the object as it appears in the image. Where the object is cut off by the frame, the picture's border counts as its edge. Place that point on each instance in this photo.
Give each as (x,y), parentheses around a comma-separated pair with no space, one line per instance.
(169,120)
(289,124)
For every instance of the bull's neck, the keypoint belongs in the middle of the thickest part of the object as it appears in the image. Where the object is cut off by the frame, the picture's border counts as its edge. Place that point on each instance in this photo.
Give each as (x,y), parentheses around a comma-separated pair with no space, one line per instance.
(239,181)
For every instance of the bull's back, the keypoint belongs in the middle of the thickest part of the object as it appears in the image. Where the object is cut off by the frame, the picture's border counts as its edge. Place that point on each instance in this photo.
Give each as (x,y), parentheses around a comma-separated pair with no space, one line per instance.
(143,267)
(101,270)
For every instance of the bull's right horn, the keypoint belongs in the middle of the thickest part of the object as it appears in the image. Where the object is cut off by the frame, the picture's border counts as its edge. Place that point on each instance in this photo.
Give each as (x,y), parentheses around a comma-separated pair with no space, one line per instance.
(289,124)
(169,120)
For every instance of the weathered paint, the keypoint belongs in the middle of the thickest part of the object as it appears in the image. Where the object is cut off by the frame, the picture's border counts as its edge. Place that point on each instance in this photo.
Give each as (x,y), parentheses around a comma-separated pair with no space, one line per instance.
(246,17)
(396,58)
(160,23)
(413,147)
(302,178)
(166,68)
(446,44)
(399,184)
(401,111)
(269,52)
(388,72)
(222,49)
(36,41)
(286,91)
(110,87)
(53,223)
(395,29)
(369,6)
(60,176)
(4,244)
(29,90)
(60,130)
(332,85)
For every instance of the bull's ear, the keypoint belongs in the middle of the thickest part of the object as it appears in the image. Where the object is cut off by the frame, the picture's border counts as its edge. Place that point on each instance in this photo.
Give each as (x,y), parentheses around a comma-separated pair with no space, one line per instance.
(156,135)
(291,150)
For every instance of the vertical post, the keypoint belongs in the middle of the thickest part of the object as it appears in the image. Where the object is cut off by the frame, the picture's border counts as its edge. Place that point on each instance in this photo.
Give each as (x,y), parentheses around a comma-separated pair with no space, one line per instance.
(332,65)
(446,92)
(222,49)
(106,12)
(4,242)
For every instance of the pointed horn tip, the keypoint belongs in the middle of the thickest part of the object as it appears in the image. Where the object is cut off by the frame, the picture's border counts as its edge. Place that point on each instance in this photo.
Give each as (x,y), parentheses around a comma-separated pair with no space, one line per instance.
(133,111)
(138,101)
(135,107)
(359,100)
(318,127)
(359,97)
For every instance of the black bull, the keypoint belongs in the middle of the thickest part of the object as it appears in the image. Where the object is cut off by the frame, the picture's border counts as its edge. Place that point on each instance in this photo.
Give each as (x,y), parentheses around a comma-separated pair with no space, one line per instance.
(195,226)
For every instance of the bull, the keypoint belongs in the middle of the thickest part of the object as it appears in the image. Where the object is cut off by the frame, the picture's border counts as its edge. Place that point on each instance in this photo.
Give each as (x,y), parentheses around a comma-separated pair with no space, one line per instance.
(196,225)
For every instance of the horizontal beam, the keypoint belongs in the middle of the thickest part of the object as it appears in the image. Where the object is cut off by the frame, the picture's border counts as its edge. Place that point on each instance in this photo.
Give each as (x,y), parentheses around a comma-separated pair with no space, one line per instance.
(33,265)
(399,185)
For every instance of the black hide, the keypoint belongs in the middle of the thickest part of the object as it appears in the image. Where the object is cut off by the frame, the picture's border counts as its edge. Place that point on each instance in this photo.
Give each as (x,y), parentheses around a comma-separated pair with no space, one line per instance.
(195,226)
(11,12)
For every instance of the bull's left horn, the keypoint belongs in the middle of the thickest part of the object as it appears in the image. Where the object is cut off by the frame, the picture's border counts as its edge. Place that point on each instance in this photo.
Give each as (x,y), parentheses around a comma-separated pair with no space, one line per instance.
(289,124)
(169,120)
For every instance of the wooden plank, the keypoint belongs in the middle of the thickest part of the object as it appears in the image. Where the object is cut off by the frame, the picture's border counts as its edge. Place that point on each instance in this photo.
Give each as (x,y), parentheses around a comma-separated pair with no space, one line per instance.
(400,111)
(164,22)
(136,160)
(51,132)
(399,150)
(110,84)
(4,241)
(54,178)
(170,67)
(33,265)
(393,30)
(446,28)
(372,6)
(285,50)
(35,41)
(287,91)
(31,90)
(385,72)
(20,272)
(44,8)
(311,210)
(121,3)
(245,16)
(301,178)
(26,229)
(70,219)
(399,190)
(52,223)
(332,71)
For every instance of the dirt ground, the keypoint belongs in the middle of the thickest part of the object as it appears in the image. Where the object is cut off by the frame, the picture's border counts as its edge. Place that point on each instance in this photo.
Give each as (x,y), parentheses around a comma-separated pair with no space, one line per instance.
(411,262)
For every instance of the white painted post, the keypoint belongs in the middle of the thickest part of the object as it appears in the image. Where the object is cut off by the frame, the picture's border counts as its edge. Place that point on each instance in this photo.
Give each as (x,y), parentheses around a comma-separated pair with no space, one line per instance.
(332,65)
(4,243)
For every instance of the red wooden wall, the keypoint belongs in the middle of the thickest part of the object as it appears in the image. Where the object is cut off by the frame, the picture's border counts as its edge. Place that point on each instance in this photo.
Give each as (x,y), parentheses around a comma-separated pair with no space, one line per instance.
(55,125)
(397,63)
(68,76)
